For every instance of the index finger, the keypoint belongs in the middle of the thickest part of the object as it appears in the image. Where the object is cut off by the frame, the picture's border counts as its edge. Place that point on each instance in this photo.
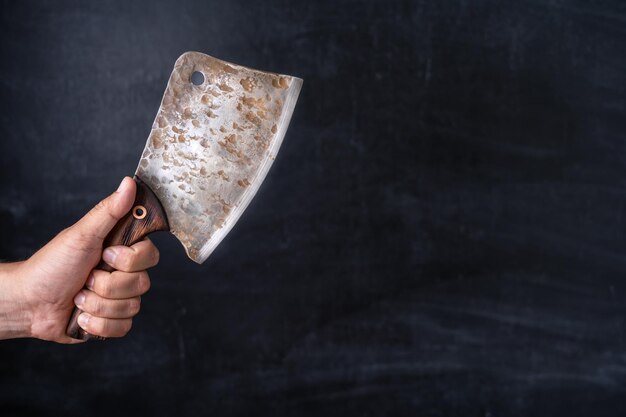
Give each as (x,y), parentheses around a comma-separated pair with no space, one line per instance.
(142,255)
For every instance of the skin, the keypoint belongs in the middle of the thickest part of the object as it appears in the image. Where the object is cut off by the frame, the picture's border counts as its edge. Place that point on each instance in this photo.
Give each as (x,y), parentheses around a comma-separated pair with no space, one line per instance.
(37,296)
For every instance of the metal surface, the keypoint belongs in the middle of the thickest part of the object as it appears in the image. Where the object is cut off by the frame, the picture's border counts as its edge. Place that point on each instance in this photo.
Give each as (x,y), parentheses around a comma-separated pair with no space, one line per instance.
(212,144)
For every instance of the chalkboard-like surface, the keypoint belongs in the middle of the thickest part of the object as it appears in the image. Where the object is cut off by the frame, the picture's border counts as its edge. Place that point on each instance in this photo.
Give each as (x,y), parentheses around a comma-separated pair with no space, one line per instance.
(443,232)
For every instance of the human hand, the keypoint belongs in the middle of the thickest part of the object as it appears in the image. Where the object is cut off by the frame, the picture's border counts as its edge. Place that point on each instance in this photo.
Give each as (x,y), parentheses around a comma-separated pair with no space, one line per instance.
(41,293)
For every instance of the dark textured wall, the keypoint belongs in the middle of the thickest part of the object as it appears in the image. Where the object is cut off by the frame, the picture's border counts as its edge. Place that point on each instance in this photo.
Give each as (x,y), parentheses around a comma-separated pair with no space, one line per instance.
(443,232)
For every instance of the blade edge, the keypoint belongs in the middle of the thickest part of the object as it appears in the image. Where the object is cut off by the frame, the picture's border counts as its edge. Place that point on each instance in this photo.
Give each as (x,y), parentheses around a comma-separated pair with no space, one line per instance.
(290,103)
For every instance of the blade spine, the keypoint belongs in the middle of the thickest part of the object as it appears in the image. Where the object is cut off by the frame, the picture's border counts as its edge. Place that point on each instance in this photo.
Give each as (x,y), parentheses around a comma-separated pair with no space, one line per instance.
(245,67)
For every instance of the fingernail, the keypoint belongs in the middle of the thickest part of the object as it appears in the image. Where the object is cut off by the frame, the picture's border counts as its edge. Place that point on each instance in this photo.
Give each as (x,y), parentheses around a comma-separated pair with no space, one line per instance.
(122,185)
(90,280)
(109,255)
(83,319)
(79,300)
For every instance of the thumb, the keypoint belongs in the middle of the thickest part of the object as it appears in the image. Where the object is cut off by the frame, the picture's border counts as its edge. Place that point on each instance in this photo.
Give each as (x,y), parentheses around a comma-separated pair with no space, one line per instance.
(101,219)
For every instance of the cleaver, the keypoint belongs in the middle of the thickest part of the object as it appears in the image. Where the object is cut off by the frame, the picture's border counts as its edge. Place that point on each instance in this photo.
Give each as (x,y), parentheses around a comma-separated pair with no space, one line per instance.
(213,140)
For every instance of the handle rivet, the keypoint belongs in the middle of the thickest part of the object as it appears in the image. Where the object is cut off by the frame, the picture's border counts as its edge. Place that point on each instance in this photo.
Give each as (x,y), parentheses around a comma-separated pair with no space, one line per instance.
(139,212)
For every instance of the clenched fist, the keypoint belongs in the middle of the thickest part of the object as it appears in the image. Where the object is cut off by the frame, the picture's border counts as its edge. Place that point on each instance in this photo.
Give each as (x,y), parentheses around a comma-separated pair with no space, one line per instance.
(37,296)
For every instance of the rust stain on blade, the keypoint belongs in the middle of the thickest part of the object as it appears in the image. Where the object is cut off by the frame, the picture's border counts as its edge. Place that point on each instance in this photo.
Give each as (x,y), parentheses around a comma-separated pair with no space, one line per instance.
(230,126)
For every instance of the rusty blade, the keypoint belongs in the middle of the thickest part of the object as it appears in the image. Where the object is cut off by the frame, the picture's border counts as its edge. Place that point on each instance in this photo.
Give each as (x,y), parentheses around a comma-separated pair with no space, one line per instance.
(212,144)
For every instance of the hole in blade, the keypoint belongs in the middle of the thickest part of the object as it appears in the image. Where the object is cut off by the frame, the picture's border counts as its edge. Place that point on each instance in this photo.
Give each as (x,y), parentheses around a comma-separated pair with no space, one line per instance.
(197,78)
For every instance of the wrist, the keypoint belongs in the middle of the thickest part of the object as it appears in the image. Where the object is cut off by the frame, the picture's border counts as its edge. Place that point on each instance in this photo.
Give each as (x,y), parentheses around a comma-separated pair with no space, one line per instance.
(15,314)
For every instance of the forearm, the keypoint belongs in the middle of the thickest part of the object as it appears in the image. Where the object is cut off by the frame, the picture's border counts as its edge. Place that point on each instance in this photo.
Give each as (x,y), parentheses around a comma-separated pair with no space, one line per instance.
(14,315)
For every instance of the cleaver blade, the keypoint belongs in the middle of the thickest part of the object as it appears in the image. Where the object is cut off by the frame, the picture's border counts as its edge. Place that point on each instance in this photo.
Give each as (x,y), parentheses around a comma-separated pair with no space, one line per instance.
(214,138)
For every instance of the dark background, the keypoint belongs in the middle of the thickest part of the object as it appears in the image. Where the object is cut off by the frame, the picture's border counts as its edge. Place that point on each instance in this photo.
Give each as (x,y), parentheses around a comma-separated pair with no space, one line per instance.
(443,232)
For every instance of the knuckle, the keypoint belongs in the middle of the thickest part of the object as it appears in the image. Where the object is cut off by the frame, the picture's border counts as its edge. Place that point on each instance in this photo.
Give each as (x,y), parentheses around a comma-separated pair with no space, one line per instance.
(143,254)
(95,305)
(103,205)
(143,282)
(126,260)
(98,326)
(110,327)
(124,327)
(105,287)
(156,255)
(106,327)
(134,305)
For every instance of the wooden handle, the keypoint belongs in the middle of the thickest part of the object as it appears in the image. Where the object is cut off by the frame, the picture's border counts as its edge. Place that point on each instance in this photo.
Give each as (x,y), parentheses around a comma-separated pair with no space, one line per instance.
(146,216)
